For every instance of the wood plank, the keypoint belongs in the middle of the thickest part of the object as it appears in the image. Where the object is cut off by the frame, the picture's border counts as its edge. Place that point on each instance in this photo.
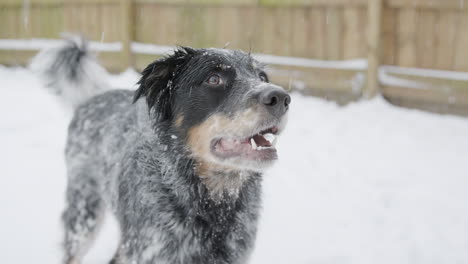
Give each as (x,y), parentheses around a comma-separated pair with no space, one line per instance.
(197,29)
(18,24)
(183,24)
(93,27)
(446,31)
(99,25)
(3,21)
(427,95)
(389,44)
(364,25)
(428,4)
(308,32)
(164,25)
(264,3)
(71,21)
(57,22)
(374,14)
(7,21)
(334,31)
(76,13)
(31,2)
(434,82)
(291,77)
(299,25)
(247,29)
(268,30)
(461,50)
(317,41)
(127,26)
(106,22)
(352,33)
(115,10)
(228,31)
(282,39)
(406,34)
(425,42)
(184,31)
(16,57)
(190,24)
(146,23)
(89,2)
(34,25)
(158,28)
(315,3)
(224,3)
(212,27)
(47,23)
(80,15)
(22,27)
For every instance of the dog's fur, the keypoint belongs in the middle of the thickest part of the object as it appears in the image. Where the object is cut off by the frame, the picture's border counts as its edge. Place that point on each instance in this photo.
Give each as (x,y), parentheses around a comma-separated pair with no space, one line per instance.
(70,72)
(171,167)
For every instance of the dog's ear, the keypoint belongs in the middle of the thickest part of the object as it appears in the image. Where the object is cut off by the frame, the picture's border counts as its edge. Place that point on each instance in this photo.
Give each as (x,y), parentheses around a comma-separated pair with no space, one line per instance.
(156,83)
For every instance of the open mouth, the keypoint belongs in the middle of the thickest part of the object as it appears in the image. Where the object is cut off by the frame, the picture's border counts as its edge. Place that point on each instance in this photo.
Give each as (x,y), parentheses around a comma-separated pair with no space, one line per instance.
(260,146)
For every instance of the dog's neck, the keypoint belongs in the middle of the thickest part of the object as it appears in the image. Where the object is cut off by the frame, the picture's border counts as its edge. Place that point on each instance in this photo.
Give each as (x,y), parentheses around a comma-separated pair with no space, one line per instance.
(221,181)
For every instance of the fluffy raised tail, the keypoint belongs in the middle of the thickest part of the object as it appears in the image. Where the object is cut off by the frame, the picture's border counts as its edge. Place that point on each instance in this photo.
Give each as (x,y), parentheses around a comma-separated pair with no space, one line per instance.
(71,72)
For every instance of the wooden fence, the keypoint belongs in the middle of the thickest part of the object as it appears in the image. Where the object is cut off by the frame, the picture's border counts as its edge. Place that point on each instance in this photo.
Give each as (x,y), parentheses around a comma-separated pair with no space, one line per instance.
(430,34)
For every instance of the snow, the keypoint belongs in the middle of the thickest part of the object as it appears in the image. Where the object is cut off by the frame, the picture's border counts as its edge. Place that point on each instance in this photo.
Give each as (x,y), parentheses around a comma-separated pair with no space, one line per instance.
(356,64)
(151,48)
(37,44)
(391,80)
(366,183)
(429,73)
(387,77)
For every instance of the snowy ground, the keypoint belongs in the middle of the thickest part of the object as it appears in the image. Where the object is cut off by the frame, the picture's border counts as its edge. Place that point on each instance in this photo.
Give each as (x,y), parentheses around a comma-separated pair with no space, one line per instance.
(367,183)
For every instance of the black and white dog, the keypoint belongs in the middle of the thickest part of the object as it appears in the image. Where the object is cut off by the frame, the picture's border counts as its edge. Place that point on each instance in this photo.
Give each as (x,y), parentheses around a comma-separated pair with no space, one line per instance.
(178,161)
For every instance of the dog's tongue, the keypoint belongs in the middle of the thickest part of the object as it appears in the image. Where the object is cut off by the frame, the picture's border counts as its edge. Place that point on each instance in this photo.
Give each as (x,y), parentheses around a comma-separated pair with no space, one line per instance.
(261,141)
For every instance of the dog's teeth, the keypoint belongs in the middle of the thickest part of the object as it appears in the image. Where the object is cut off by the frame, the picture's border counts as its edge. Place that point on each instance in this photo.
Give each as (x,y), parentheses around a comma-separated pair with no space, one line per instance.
(270,138)
(254,145)
(261,147)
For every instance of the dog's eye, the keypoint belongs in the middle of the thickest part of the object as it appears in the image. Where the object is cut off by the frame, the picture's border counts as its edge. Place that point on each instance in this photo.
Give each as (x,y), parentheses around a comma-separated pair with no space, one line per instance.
(214,80)
(263,77)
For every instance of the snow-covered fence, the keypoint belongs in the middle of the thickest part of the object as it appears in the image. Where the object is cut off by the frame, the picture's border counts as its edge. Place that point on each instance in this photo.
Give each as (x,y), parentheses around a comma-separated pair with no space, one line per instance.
(429,34)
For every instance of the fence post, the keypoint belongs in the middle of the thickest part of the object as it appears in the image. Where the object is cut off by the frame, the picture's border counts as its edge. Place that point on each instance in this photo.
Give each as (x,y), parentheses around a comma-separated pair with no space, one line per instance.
(374,21)
(126,11)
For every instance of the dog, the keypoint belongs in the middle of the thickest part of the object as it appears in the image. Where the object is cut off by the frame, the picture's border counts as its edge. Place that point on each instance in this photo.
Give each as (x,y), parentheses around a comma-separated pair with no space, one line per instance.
(178,162)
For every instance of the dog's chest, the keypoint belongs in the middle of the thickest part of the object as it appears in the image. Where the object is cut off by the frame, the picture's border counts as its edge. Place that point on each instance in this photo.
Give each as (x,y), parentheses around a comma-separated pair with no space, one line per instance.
(214,234)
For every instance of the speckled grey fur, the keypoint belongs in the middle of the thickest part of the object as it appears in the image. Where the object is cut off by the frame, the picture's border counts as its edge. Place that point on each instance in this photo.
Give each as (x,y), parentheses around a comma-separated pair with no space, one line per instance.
(118,158)
(164,219)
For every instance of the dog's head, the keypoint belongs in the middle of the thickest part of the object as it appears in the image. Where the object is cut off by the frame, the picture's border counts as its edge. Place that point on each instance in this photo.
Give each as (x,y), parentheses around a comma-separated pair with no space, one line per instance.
(221,104)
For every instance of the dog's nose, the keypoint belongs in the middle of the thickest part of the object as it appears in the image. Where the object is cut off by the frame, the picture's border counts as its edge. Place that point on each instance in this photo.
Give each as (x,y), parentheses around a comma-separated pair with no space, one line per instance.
(276,101)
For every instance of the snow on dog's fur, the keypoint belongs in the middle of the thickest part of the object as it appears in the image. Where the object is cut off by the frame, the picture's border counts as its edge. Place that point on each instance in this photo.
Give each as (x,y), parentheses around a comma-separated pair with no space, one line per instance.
(181,169)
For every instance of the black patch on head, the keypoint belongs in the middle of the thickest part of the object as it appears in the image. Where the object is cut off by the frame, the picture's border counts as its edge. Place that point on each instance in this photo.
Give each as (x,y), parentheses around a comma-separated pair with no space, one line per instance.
(156,83)
(178,85)
(196,97)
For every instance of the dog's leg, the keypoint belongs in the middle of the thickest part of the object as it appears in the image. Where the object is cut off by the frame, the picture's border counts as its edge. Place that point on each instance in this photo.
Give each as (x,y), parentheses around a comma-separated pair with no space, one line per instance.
(82,217)
(142,247)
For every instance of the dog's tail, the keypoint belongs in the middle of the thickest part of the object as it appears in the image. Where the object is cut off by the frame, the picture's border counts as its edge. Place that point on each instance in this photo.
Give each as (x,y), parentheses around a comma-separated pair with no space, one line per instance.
(70,71)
